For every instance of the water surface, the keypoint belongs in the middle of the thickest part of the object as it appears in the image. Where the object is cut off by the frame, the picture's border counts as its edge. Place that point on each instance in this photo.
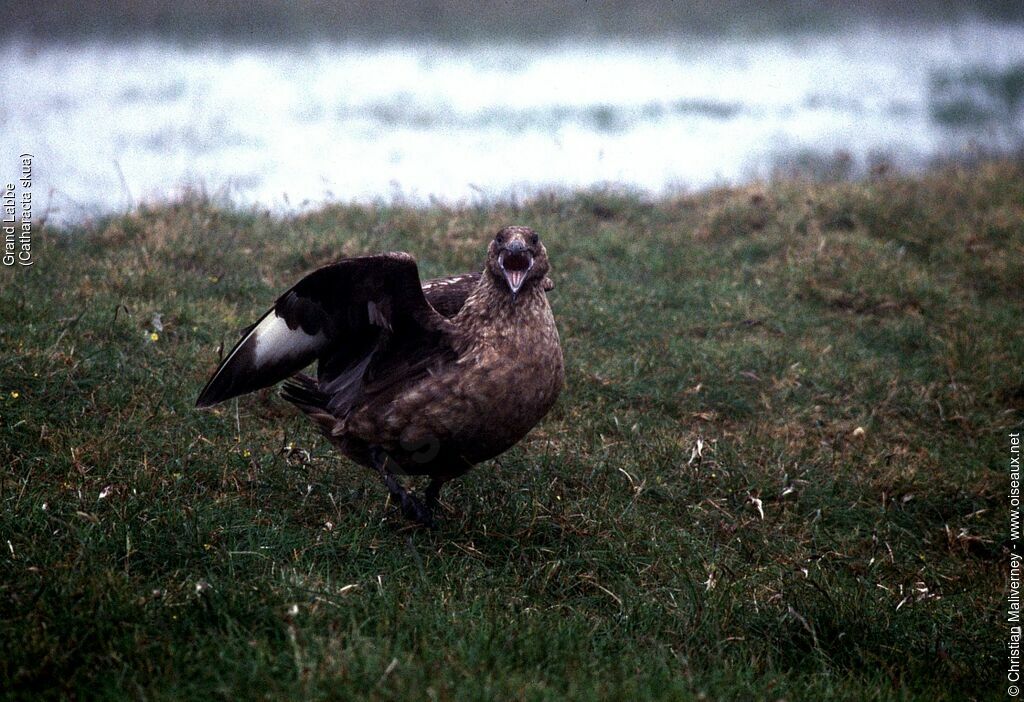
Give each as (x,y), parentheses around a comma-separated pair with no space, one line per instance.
(111,125)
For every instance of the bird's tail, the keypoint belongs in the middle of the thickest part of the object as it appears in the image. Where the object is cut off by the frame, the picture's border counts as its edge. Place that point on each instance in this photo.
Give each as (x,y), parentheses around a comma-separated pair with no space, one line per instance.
(304,392)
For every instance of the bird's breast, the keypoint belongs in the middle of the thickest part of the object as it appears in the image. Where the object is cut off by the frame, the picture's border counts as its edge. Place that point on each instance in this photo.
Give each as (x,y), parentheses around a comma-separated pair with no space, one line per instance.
(513,374)
(507,375)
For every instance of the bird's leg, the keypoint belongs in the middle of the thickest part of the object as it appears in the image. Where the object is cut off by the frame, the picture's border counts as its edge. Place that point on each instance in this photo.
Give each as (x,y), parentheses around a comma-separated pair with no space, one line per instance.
(432,492)
(410,506)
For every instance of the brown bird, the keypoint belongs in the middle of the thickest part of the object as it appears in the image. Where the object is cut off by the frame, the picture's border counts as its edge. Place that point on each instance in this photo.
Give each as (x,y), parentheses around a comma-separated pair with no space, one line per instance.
(418,379)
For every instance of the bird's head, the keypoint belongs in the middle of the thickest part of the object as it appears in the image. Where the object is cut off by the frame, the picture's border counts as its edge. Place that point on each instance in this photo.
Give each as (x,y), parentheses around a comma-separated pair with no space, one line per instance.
(517,259)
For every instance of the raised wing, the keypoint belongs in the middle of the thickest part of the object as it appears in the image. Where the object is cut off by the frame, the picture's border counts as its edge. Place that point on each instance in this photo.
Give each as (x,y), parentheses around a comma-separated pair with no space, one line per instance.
(338,315)
(448,295)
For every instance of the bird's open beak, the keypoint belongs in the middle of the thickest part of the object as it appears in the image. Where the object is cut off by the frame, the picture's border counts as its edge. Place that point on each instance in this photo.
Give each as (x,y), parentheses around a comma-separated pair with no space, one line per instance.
(515,264)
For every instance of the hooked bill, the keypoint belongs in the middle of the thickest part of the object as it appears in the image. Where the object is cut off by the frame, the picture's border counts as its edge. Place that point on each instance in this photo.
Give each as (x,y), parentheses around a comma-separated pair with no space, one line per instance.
(516,265)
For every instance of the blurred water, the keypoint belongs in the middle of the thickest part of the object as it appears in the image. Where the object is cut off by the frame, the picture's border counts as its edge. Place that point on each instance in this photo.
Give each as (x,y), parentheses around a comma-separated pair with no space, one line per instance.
(291,126)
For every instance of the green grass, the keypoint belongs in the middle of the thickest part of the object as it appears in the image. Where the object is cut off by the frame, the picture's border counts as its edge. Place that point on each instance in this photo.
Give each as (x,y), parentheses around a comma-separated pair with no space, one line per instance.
(848,355)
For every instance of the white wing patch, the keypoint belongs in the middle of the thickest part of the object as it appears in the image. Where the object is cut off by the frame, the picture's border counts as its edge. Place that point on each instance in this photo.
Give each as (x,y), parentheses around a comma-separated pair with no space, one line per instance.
(445,282)
(275,341)
(270,347)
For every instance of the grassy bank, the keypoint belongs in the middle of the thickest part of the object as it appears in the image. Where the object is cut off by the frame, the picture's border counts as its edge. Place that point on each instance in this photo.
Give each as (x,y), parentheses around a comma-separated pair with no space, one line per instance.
(777,470)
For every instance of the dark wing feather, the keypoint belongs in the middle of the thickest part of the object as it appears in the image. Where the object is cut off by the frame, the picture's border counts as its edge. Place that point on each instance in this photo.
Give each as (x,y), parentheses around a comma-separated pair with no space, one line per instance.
(340,314)
(448,295)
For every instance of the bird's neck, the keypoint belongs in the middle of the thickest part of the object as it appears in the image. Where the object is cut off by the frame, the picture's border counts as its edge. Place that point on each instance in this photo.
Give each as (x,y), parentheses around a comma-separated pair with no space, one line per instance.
(491,302)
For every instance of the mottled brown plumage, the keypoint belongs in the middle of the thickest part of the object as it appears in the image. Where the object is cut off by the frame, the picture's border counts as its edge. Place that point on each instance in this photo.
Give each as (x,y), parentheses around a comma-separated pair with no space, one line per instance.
(419,379)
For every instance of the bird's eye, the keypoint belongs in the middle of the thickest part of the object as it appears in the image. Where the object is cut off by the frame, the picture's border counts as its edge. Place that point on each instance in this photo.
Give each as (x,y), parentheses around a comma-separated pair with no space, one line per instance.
(534,239)
(500,239)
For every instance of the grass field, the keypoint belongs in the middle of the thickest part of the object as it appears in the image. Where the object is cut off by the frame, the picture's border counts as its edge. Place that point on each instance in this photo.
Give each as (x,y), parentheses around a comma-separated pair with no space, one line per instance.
(777,470)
